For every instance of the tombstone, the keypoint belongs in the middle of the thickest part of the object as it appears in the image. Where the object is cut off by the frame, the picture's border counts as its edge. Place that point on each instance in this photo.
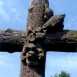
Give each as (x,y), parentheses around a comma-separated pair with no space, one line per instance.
(44,33)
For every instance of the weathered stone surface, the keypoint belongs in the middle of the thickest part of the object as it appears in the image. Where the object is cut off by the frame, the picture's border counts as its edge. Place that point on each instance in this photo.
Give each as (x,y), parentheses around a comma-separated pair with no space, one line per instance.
(27,71)
(44,32)
(30,46)
(13,42)
(31,37)
(9,30)
(48,13)
(63,41)
(40,35)
(55,23)
(46,2)
(35,15)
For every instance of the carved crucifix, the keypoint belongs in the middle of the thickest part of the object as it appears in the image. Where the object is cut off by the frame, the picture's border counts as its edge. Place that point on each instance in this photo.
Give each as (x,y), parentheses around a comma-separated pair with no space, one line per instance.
(44,33)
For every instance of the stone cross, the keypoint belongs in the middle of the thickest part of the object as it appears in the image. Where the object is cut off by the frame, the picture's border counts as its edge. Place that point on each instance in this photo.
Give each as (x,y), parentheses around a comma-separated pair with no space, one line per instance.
(44,33)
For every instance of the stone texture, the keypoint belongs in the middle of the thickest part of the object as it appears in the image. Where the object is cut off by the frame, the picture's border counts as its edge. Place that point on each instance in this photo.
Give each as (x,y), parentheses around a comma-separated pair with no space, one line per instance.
(55,23)
(44,32)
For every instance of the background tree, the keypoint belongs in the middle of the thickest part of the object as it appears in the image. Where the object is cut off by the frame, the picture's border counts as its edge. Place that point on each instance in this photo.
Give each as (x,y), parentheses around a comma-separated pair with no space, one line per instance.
(62,74)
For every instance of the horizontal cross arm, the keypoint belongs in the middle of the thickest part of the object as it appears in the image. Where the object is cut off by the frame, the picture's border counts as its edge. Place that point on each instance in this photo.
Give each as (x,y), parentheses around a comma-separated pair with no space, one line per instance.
(65,40)
(59,41)
(11,40)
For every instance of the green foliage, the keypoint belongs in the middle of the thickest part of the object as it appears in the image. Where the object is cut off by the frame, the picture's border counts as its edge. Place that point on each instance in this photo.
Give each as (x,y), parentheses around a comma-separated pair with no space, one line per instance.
(62,74)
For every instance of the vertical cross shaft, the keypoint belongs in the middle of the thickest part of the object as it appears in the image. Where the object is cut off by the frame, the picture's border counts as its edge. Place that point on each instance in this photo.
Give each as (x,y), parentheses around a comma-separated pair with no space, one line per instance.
(38,71)
(35,16)
(35,22)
